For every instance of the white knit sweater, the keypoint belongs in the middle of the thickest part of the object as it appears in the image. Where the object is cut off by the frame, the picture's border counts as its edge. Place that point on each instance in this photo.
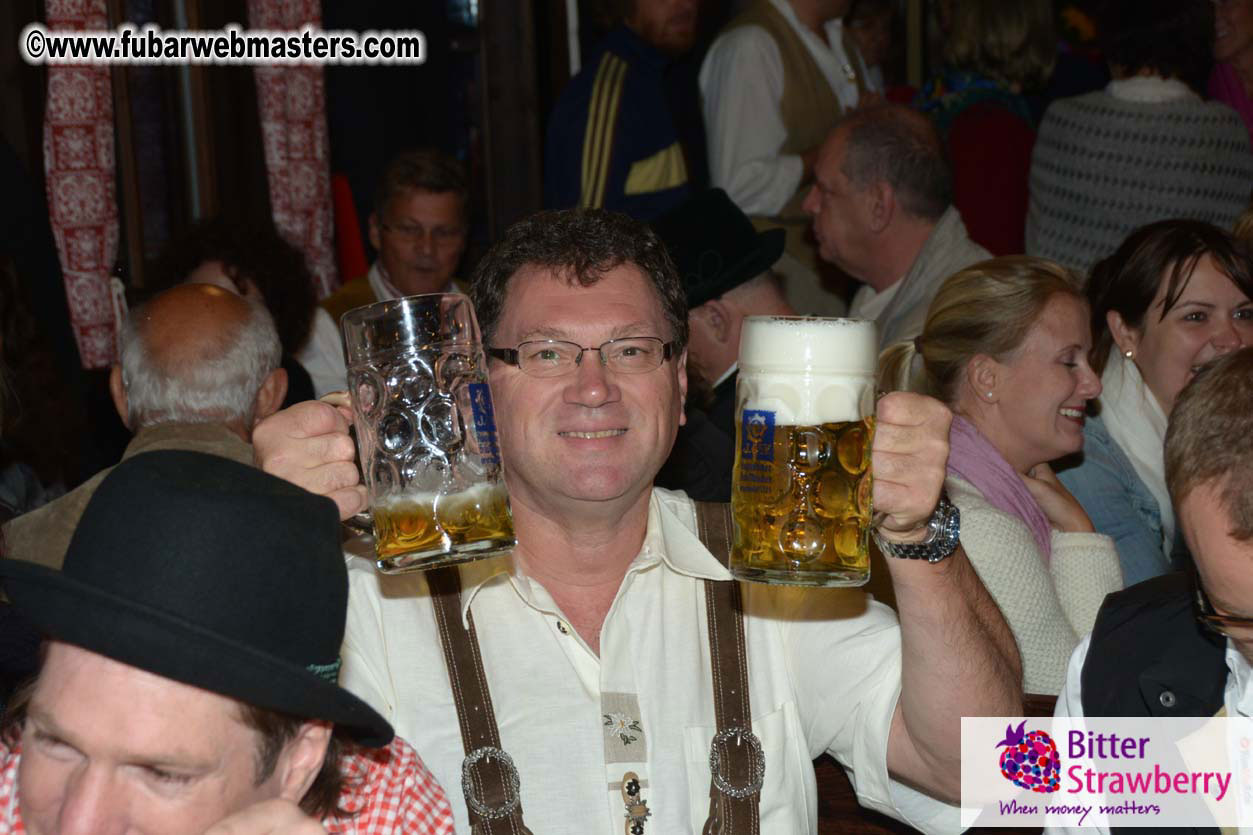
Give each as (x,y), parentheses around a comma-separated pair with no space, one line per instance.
(1049,607)
(1105,166)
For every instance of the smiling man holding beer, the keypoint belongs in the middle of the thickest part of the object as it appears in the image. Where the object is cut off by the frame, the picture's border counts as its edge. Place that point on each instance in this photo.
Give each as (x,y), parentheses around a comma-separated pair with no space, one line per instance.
(592,635)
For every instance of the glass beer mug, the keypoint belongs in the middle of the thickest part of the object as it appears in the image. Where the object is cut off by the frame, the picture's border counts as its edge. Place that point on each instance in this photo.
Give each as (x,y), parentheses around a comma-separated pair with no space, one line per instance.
(426,432)
(801,490)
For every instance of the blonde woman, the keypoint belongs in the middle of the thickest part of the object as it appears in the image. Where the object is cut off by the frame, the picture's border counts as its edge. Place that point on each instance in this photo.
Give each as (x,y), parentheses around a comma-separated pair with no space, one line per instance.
(1006,347)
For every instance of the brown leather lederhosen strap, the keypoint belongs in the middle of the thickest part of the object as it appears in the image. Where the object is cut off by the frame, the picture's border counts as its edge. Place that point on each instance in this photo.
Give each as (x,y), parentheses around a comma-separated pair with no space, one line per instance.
(491,782)
(489,779)
(737,764)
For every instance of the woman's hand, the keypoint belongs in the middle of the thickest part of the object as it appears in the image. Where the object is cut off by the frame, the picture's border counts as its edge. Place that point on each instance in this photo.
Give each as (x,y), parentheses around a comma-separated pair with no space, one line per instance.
(1062,509)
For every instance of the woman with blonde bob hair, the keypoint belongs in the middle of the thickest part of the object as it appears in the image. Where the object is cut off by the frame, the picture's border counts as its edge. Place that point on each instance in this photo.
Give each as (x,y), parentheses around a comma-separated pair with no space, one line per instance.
(1006,347)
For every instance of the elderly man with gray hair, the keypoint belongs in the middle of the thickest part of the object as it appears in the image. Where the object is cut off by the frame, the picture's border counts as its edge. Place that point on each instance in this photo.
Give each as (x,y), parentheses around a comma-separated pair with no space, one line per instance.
(199,368)
(882,204)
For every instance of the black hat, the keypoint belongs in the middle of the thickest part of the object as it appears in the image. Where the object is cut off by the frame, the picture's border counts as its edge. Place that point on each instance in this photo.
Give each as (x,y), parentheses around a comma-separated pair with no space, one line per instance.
(211,573)
(715,246)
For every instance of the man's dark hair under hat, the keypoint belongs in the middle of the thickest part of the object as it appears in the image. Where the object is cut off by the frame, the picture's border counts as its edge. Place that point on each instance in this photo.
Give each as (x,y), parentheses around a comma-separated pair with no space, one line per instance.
(210,573)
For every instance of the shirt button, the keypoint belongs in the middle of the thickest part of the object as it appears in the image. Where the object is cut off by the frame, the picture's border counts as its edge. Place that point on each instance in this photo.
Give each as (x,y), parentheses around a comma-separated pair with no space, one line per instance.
(562,628)
(1167,699)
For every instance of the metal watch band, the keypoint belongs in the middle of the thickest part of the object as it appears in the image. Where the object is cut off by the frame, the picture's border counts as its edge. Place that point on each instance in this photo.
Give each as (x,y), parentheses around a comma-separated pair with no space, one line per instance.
(943,536)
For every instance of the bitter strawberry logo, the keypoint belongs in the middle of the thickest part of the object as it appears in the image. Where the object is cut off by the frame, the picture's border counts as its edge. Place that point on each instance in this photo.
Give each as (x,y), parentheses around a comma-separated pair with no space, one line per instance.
(1030,760)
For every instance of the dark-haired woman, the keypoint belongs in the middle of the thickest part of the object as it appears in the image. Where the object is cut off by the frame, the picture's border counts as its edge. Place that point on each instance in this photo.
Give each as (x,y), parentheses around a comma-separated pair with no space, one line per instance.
(1144,149)
(1175,295)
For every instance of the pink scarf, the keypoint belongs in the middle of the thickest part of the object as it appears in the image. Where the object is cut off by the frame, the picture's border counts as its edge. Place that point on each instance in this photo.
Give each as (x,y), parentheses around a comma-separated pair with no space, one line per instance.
(1225,86)
(972,457)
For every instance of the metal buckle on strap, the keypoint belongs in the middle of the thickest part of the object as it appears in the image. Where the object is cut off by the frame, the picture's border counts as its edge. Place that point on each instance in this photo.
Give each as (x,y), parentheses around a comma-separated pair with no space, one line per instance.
(513,785)
(757,760)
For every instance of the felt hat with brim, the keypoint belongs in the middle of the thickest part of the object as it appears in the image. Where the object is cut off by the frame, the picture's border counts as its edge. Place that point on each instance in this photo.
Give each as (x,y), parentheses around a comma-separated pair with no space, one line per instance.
(210,573)
(715,246)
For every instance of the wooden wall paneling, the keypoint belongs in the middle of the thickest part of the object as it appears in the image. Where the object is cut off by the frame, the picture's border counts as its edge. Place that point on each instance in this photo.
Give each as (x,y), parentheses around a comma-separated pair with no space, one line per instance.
(510,114)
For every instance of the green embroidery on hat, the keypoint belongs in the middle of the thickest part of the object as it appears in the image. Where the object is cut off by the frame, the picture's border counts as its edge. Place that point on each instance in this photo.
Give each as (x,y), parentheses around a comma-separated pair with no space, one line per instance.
(329,672)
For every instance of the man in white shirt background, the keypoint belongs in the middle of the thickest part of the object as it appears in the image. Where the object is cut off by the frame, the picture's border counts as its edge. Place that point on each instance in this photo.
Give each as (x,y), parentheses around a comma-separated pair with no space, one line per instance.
(773,84)
(419,228)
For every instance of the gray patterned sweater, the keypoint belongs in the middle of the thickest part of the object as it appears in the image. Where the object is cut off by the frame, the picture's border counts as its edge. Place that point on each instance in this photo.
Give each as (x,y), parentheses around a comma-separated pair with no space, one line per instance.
(1104,166)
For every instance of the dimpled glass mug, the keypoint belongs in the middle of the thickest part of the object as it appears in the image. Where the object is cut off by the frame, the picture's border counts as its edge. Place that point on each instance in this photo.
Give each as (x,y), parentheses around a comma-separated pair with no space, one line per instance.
(801,491)
(426,432)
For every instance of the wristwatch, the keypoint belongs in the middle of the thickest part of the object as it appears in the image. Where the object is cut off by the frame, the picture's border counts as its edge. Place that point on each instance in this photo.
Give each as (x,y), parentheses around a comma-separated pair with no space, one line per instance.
(943,530)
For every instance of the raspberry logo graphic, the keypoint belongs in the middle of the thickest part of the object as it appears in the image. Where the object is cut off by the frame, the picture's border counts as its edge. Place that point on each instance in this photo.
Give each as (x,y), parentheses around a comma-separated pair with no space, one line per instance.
(1030,760)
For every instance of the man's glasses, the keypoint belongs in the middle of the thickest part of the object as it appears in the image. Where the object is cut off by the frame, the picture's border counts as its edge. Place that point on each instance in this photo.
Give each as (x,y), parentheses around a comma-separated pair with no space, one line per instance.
(442,236)
(554,358)
(1232,626)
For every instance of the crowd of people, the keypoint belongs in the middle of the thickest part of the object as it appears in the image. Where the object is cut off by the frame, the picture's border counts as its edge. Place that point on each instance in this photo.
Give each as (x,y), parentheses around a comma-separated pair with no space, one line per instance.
(1054,254)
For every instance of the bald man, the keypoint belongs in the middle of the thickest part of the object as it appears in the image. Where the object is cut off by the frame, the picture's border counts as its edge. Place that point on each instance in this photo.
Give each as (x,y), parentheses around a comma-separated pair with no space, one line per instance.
(199,369)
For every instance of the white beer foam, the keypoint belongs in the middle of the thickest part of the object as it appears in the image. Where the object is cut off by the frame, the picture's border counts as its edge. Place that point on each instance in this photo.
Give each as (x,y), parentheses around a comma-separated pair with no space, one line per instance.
(807,371)
(427,499)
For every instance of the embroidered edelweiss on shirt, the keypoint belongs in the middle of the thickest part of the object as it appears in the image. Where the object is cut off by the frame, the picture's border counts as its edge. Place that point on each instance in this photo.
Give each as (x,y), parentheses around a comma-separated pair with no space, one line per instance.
(621,726)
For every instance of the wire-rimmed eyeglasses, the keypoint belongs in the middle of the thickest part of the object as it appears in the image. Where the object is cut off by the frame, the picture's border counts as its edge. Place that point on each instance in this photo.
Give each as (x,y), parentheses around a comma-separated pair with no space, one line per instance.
(555,358)
(442,236)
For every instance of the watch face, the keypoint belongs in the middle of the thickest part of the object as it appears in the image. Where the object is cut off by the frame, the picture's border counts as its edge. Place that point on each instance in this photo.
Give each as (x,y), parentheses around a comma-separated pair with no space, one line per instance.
(941,541)
(947,541)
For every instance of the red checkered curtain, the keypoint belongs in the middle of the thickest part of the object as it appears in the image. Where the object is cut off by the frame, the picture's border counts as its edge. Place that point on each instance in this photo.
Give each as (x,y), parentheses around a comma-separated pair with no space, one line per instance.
(292,104)
(79,169)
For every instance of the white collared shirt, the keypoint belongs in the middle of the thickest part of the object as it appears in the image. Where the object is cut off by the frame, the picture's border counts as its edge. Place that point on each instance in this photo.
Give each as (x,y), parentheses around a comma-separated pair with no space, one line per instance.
(824,668)
(1150,89)
(1237,701)
(726,375)
(741,84)
(869,303)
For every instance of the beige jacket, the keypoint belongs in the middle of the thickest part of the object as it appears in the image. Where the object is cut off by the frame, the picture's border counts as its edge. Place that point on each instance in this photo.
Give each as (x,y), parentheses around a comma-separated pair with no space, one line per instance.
(43,535)
(947,250)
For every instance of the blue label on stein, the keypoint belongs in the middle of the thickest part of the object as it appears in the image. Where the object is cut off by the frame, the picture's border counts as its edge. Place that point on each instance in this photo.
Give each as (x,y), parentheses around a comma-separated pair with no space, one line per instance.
(757,435)
(484,423)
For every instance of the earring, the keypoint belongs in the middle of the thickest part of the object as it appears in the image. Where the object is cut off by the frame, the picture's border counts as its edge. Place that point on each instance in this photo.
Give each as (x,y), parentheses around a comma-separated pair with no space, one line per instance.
(1129,354)
(990,395)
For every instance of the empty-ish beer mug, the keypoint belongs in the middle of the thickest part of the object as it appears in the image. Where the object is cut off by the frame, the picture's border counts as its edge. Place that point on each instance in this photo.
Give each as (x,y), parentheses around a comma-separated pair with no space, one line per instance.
(804,426)
(426,432)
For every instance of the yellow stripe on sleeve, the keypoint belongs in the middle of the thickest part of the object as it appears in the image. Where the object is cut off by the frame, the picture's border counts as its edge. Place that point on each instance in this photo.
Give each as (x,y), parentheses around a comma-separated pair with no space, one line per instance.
(664,169)
(602,120)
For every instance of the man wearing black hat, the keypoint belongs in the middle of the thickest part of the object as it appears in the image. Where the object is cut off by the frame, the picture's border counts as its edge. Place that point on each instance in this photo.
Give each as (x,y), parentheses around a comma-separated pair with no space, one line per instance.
(724,264)
(189,679)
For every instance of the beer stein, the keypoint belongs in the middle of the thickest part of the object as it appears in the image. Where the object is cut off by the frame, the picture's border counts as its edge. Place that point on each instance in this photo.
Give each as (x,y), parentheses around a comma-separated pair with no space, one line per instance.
(804,425)
(426,433)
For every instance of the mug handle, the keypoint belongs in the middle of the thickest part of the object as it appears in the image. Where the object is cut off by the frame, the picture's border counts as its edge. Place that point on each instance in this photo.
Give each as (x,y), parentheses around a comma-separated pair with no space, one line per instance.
(359,523)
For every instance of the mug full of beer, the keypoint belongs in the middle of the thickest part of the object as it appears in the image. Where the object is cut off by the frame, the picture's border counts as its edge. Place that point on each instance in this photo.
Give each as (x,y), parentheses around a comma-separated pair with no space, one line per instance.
(426,432)
(804,426)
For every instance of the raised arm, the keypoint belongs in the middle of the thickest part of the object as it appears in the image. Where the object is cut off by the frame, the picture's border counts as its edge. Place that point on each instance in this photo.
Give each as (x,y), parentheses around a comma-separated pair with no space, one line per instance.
(958,657)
